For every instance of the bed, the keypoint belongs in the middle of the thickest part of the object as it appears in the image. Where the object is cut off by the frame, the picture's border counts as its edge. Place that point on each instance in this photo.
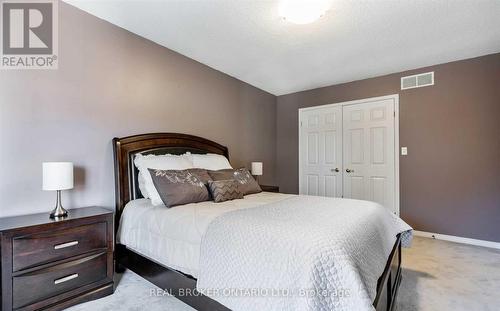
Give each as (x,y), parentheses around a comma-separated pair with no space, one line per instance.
(179,247)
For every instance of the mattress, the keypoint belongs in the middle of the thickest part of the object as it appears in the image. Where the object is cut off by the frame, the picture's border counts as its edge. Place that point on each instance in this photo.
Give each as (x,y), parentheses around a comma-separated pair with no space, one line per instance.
(172,236)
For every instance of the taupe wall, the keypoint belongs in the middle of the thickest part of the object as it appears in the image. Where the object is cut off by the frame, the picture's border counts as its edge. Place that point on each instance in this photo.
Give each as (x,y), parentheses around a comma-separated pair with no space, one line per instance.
(113,83)
(450,180)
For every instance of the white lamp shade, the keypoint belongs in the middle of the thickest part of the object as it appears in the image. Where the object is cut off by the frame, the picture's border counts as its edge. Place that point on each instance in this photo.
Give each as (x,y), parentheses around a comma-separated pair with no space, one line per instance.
(257,168)
(57,175)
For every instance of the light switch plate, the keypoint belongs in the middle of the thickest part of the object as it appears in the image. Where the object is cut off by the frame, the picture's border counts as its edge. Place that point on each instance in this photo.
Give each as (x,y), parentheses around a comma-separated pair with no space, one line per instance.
(404,150)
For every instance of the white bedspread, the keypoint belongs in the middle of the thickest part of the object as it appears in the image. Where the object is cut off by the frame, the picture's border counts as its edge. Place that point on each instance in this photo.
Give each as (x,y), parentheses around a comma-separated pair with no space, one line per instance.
(172,237)
(301,253)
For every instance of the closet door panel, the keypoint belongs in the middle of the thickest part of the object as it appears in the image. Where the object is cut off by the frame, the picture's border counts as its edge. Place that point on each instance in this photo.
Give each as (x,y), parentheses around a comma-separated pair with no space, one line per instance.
(321,152)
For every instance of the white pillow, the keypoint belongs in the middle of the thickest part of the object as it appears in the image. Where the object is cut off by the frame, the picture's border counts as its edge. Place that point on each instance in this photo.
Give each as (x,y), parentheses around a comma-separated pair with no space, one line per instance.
(210,161)
(161,162)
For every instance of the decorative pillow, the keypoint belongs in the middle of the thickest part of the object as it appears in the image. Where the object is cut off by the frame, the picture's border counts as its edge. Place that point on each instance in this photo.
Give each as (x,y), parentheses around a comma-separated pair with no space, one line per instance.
(177,187)
(161,162)
(209,161)
(224,190)
(202,174)
(246,182)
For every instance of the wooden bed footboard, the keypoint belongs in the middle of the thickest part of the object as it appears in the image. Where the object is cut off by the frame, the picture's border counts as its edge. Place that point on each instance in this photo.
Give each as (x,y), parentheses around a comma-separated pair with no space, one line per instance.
(389,281)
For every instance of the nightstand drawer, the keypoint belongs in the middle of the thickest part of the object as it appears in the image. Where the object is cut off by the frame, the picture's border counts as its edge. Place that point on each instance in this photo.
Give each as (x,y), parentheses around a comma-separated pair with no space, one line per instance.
(41,284)
(40,248)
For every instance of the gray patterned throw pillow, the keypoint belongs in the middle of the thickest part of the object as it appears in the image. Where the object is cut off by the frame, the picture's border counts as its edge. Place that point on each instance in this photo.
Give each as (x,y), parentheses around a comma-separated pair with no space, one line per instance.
(224,190)
(245,180)
(177,187)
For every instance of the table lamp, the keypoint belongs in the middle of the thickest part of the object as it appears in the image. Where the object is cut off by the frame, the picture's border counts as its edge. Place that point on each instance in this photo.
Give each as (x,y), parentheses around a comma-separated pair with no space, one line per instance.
(57,176)
(257,169)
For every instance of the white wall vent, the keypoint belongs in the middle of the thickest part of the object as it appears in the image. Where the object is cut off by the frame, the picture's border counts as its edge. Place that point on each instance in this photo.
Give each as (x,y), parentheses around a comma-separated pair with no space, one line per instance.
(420,80)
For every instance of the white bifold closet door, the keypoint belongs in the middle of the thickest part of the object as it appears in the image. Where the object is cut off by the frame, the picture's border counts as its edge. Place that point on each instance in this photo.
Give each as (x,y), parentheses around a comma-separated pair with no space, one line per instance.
(348,150)
(321,152)
(369,170)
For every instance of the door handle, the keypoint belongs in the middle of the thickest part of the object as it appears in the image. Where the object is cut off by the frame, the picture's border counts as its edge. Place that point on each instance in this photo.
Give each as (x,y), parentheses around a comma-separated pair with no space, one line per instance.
(335,170)
(349,171)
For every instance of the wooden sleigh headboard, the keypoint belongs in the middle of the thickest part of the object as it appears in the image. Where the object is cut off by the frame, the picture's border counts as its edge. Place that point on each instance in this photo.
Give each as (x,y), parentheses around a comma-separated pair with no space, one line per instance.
(125,148)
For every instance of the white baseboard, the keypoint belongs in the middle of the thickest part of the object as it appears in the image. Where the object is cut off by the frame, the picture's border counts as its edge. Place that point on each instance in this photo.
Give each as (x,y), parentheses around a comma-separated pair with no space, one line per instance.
(457,239)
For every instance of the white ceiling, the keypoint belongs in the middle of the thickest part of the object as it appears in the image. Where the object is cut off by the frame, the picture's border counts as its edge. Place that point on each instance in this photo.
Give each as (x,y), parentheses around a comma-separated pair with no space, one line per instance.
(354,40)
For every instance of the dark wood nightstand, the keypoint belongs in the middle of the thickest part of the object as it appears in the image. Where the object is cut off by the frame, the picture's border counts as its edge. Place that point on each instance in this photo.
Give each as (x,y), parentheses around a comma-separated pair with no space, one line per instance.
(51,265)
(270,188)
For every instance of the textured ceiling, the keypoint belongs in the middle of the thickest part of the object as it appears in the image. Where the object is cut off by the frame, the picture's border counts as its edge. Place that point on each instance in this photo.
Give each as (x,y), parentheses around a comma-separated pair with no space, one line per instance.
(354,40)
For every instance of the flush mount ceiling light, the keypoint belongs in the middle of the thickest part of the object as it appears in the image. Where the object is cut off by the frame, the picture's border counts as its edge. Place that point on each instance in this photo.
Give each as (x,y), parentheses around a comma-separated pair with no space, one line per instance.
(303,11)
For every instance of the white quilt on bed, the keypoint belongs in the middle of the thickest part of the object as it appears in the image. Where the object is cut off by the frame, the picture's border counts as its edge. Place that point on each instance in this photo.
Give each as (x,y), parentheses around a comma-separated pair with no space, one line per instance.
(172,236)
(301,253)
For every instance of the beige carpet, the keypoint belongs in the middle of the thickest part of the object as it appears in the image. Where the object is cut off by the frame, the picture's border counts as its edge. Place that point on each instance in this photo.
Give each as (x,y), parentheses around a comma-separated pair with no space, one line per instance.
(440,275)
(437,276)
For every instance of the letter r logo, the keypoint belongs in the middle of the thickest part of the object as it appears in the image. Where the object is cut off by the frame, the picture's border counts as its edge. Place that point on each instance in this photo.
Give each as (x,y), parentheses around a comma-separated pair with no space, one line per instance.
(27,28)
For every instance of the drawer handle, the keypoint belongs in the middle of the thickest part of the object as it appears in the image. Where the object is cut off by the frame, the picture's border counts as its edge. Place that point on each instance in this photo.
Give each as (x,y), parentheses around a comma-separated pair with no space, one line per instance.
(65,279)
(64,245)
